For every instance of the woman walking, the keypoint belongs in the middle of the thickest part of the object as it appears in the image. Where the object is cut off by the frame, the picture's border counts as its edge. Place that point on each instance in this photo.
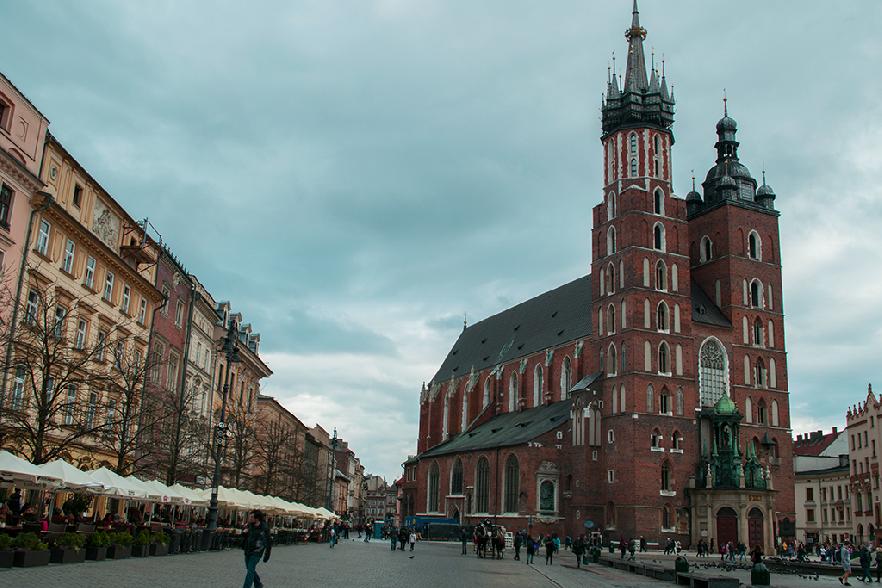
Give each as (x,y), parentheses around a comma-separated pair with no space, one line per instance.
(549,550)
(531,549)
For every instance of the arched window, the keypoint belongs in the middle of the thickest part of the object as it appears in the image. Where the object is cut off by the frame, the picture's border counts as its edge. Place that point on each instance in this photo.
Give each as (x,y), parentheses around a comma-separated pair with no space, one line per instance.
(647,356)
(664,402)
(512,392)
(656,145)
(456,478)
(771,331)
(611,206)
(611,360)
(464,422)
(761,412)
(432,490)
(754,246)
(445,418)
(661,275)
(610,161)
(487,386)
(625,314)
(565,379)
(623,406)
(661,317)
(624,355)
(675,285)
(610,278)
(774,413)
(773,373)
(759,374)
(680,402)
(748,410)
(537,385)
(859,501)
(650,399)
(610,515)
(655,440)
(611,319)
(647,317)
(676,317)
(659,201)
(658,234)
(512,485)
(758,333)
(678,359)
(712,369)
(756,294)
(610,240)
(706,252)
(664,358)
(666,476)
(667,517)
(645,272)
(621,274)
(677,441)
(547,497)
(633,167)
(482,486)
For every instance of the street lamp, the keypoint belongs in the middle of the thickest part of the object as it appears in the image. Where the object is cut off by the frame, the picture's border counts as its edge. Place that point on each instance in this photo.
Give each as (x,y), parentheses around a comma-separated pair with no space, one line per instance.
(220,432)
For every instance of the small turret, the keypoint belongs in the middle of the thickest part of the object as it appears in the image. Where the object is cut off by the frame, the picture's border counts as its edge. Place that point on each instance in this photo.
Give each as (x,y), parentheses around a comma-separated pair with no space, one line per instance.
(765,195)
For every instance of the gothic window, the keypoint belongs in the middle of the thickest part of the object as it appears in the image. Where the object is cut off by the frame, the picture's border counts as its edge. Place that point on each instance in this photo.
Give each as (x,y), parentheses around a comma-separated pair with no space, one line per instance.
(759,374)
(621,274)
(610,278)
(661,275)
(667,517)
(645,272)
(761,412)
(659,201)
(712,364)
(512,484)
(771,334)
(633,167)
(655,440)
(748,410)
(676,317)
(624,358)
(512,392)
(546,496)
(464,422)
(677,440)
(646,314)
(773,375)
(774,413)
(647,356)
(675,286)
(537,385)
(664,402)
(664,358)
(754,246)
(611,206)
(666,476)
(434,475)
(611,360)
(623,407)
(456,478)
(678,359)
(650,399)
(756,294)
(658,234)
(565,378)
(680,401)
(656,145)
(706,252)
(757,332)
(611,319)
(625,312)
(610,240)
(482,486)
(610,161)
(600,317)
(445,417)
(661,317)
(487,386)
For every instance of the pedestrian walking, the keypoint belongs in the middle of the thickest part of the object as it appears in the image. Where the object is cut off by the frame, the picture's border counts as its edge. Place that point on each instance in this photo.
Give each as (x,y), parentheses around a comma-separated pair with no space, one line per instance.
(464,539)
(878,564)
(412,539)
(865,564)
(549,550)
(845,558)
(631,550)
(332,537)
(257,545)
(579,549)
(517,545)
(403,536)
(393,535)
(642,543)
(756,555)
(531,549)
(623,548)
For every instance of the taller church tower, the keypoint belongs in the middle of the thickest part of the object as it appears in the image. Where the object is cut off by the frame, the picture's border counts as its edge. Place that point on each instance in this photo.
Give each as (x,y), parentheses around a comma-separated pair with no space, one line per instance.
(642,306)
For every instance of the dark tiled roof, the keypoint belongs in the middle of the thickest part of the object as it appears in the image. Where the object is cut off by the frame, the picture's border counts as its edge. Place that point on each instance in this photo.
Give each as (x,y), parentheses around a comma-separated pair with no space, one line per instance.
(552,318)
(705,311)
(505,430)
(814,443)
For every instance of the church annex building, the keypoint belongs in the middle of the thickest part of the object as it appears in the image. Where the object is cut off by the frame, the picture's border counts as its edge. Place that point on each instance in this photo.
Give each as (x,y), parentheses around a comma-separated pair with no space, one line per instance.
(647,398)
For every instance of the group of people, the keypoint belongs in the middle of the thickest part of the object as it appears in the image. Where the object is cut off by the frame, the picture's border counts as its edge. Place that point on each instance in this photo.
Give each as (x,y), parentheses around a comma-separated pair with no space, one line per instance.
(403,537)
(865,555)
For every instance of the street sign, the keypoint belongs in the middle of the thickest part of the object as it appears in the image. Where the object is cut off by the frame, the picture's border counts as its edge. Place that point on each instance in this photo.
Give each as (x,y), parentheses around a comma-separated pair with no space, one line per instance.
(589,524)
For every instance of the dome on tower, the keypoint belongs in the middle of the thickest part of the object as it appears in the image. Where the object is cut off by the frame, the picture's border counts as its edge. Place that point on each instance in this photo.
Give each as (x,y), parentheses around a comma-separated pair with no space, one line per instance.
(765,191)
(727,123)
(693,196)
(725,405)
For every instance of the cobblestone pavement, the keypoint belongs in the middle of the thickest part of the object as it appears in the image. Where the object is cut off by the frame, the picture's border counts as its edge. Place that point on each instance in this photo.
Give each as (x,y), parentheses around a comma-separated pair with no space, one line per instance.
(353,562)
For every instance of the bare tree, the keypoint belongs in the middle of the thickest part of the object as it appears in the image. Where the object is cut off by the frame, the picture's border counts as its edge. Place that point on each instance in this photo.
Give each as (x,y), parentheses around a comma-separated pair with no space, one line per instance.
(49,366)
(271,443)
(241,441)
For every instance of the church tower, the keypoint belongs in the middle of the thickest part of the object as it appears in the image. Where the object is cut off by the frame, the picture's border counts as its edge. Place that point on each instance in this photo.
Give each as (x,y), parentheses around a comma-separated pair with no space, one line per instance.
(642,307)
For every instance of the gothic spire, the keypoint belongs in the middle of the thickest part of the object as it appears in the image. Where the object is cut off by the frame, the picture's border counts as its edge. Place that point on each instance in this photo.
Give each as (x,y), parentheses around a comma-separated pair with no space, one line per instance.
(635,74)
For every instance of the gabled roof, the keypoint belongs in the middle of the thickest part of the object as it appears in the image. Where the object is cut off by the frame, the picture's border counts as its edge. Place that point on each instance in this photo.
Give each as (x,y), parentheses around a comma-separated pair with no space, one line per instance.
(817,444)
(505,430)
(705,311)
(550,319)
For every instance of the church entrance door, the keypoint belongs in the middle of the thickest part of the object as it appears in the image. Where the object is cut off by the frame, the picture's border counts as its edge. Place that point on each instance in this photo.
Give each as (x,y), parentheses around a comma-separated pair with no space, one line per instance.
(755,528)
(727,526)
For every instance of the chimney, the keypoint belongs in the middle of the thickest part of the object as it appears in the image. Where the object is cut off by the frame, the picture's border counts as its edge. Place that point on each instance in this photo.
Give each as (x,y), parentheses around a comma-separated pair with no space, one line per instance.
(835,430)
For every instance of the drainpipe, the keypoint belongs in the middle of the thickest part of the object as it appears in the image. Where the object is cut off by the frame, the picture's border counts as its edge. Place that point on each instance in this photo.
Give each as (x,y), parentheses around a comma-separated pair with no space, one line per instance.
(48,199)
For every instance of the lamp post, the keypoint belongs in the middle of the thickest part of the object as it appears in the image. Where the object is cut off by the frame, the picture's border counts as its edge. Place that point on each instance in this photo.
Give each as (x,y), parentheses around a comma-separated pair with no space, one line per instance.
(220,433)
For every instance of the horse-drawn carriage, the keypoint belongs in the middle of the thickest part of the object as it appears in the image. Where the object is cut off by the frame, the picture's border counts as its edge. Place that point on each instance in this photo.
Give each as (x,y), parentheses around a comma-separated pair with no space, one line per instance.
(489,536)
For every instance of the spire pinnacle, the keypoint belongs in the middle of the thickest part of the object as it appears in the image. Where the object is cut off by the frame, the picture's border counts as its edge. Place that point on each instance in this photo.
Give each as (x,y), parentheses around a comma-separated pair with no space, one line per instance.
(693,180)
(635,16)
(725,103)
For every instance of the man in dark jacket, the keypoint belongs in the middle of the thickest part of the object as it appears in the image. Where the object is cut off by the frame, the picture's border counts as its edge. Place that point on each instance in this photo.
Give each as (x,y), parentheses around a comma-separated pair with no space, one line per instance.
(257,544)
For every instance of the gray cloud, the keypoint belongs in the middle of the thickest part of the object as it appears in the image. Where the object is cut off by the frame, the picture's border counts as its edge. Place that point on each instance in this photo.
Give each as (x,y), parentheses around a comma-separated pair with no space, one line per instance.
(351,173)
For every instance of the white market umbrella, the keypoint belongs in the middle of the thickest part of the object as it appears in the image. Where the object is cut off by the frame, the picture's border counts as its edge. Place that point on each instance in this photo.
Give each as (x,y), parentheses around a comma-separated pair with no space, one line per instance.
(16,469)
(70,476)
(116,485)
(190,495)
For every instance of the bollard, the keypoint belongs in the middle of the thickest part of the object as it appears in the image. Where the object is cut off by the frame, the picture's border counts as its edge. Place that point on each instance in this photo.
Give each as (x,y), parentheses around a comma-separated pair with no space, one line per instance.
(759,575)
(681,565)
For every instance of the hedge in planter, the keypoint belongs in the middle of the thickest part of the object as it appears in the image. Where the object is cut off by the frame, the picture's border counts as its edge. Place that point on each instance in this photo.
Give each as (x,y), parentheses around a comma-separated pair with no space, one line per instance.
(120,545)
(6,551)
(141,546)
(159,545)
(68,548)
(30,551)
(96,546)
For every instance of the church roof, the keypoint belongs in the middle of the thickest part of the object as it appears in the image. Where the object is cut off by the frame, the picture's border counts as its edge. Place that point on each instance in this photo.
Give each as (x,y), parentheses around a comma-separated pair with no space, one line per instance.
(705,311)
(507,429)
(548,320)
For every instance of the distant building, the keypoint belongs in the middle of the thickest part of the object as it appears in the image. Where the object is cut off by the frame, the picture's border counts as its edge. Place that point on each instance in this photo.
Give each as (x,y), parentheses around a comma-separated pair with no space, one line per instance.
(862,428)
(823,511)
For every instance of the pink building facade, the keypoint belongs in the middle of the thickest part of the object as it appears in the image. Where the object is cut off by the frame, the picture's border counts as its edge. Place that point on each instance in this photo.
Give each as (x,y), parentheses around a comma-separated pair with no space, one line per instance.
(22,136)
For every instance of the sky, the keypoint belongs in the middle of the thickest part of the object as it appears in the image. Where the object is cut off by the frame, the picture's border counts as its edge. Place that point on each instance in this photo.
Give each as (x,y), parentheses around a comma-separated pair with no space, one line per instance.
(359,176)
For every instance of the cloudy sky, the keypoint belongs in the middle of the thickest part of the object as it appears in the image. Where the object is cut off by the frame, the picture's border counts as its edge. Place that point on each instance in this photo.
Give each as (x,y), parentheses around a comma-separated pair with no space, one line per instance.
(355,176)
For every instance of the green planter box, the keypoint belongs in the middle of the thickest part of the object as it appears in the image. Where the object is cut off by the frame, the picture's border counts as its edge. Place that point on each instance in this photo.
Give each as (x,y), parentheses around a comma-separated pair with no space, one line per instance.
(96,553)
(159,549)
(119,551)
(6,558)
(65,555)
(140,550)
(25,558)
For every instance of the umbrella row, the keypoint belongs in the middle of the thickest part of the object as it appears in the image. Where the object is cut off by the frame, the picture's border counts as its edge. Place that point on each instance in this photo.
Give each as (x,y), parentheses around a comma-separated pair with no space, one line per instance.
(62,475)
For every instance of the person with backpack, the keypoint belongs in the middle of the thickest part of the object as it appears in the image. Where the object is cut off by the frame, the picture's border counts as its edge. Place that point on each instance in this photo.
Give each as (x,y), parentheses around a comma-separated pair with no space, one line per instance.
(531,549)
(549,550)
(257,544)
(579,549)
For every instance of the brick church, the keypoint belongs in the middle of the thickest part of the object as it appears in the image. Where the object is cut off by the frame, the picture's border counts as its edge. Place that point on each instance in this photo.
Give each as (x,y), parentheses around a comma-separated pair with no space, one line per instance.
(647,398)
